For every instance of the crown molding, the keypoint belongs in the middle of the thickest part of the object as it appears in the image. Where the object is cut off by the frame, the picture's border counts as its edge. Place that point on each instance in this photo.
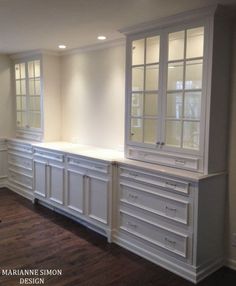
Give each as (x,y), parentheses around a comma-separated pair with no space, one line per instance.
(33,53)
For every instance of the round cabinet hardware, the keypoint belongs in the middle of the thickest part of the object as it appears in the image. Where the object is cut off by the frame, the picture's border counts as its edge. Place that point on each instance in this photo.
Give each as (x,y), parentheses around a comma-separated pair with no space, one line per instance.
(132,134)
(162,143)
(158,143)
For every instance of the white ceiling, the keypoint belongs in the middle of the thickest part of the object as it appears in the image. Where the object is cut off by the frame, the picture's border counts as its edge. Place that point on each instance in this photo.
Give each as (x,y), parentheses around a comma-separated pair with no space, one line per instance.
(43,24)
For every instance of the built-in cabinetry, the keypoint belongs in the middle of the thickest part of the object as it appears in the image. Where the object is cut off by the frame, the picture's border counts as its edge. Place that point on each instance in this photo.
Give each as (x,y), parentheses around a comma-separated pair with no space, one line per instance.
(36,90)
(3,162)
(20,166)
(176,75)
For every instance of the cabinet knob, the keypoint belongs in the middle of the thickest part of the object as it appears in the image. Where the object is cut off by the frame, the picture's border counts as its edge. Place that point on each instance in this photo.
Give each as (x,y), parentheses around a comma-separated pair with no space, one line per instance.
(162,143)
(158,143)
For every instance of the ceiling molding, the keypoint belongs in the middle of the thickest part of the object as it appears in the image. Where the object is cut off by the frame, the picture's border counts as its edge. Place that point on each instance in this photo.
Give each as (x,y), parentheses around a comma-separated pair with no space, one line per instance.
(33,53)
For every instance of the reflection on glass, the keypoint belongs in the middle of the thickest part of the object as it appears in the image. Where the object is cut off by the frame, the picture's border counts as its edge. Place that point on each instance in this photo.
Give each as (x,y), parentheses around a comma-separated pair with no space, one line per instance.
(34,119)
(17,71)
(152,49)
(191,135)
(31,87)
(34,103)
(37,68)
(152,77)
(192,105)
(173,133)
(138,52)
(18,89)
(193,78)
(137,79)
(23,87)
(21,102)
(136,130)
(176,46)
(137,104)
(31,69)
(195,39)
(22,70)
(37,87)
(151,104)
(175,76)
(150,129)
(21,119)
(174,105)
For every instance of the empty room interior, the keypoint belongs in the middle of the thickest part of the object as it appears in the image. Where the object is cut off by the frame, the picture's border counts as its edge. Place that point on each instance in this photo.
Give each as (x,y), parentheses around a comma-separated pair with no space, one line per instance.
(117,142)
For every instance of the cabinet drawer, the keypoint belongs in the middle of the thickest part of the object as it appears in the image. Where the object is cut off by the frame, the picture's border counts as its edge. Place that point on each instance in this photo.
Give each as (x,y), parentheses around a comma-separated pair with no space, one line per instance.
(17,147)
(49,155)
(91,165)
(20,179)
(155,180)
(20,161)
(174,242)
(162,205)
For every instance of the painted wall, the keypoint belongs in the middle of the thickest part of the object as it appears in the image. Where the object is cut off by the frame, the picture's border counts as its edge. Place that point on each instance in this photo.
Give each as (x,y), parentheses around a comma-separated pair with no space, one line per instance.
(231,197)
(93,93)
(7,107)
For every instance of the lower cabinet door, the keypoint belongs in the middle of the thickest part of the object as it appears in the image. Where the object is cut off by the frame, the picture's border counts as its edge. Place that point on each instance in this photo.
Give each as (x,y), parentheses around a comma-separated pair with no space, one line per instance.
(40,178)
(75,190)
(98,198)
(56,183)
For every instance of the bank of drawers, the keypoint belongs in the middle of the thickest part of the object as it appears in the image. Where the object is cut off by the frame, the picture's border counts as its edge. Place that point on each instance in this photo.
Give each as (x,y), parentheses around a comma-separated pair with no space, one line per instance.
(20,166)
(156,209)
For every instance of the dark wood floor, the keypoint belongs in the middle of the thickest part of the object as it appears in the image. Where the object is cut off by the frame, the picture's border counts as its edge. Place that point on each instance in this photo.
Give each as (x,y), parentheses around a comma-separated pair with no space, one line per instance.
(33,237)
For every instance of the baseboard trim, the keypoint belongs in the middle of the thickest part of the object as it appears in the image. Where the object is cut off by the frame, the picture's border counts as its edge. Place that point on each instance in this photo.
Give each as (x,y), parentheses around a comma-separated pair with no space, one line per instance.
(231,263)
(20,191)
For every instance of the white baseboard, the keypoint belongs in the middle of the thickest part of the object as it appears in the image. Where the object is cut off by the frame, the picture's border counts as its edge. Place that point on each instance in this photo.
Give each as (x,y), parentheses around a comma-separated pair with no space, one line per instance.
(231,263)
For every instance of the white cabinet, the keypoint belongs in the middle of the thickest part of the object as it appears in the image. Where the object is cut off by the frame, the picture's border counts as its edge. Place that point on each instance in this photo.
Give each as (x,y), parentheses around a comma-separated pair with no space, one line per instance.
(176,73)
(36,91)
(3,162)
(49,176)
(20,168)
(169,218)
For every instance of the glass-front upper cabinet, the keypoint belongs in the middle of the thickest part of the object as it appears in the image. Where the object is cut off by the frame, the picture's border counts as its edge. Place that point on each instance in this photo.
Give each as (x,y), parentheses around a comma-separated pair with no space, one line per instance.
(165,90)
(28,94)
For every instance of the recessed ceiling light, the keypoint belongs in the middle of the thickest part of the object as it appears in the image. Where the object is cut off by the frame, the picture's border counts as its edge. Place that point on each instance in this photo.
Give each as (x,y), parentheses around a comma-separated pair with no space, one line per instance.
(101,38)
(62,46)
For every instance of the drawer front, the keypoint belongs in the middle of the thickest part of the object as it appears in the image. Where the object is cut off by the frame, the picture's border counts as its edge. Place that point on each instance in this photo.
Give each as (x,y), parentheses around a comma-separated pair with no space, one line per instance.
(21,161)
(166,183)
(16,147)
(174,243)
(20,179)
(171,208)
(3,145)
(89,164)
(58,157)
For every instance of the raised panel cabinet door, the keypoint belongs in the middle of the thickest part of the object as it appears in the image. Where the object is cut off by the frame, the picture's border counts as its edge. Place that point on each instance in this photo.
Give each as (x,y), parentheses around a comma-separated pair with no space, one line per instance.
(75,191)
(98,198)
(40,178)
(56,183)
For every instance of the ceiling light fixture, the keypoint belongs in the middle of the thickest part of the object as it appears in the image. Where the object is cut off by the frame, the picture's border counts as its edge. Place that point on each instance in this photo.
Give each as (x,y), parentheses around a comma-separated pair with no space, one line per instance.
(62,46)
(101,38)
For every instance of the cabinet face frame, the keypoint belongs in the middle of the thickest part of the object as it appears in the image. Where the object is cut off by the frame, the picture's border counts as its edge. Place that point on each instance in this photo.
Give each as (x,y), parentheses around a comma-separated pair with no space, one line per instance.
(26,60)
(163,32)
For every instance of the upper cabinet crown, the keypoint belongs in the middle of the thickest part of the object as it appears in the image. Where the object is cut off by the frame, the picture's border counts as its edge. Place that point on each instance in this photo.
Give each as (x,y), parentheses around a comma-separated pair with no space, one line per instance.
(176,91)
(37,94)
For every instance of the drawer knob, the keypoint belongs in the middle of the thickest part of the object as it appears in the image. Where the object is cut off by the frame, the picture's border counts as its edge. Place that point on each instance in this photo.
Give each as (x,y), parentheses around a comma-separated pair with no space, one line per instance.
(171,209)
(172,242)
(133,196)
(172,185)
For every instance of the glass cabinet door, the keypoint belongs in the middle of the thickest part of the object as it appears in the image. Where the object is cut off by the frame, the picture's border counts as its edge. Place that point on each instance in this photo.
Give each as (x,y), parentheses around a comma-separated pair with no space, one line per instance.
(184,89)
(144,92)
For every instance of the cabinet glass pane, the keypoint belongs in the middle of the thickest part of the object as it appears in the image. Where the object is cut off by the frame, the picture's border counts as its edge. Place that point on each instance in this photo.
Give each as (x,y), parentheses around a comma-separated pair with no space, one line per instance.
(23,87)
(18,88)
(138,52)
(136,130)
(152,77)
(137,79)
(21,102)
(195,39)
(31,69)
(192,105)
(193,79)
(191,135)
(176,46)
(151,104)
(152,49)
(17,71)
(31,87)
(150,130)
(174,105)
(21,119)
(34,103)
(22,70)
(37,68)
(175,76)
(37,86)
(173,133)
(137,104)
(34,120)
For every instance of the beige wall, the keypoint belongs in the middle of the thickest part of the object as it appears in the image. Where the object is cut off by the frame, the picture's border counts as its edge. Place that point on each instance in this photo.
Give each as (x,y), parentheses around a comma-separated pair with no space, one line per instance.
(231,198)
(92,88)
(7,109)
